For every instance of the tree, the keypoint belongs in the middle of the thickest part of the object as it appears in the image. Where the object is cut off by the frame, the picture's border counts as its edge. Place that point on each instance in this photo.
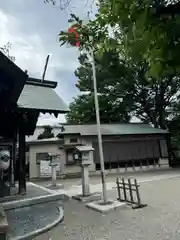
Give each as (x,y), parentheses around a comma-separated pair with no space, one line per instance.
(153,100)
(124,90)
(64,4)
(146,37)
(174,127)
(147,30)
(150,30)
(110,72)
(50,1)
(47,133)
(6,50)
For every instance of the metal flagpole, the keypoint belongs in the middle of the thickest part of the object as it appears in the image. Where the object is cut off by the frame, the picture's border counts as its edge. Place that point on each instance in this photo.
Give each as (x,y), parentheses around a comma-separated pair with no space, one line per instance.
(104,189)
(45,68)
(101,155)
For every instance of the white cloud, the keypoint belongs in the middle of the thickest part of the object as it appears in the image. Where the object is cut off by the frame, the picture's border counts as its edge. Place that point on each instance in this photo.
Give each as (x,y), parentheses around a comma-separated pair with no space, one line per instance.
(29,50)
(30,54)
(47,119)
(32,27)
(25,52)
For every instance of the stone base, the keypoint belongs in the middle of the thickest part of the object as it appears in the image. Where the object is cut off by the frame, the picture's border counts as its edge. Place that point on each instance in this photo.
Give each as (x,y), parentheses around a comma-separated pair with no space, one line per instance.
(32,201)
(99,206)
(91,197)
(3,224)
(54,187)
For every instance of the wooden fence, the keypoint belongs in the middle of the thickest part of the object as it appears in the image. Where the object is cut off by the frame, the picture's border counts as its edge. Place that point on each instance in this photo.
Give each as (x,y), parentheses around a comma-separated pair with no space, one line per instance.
(129,192)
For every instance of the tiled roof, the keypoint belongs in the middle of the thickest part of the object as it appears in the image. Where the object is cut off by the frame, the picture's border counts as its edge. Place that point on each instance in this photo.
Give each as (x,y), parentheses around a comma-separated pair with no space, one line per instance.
(112,129)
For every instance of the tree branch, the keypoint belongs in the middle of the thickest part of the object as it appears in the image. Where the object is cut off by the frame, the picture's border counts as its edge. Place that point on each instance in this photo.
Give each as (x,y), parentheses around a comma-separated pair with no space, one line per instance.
(169,10)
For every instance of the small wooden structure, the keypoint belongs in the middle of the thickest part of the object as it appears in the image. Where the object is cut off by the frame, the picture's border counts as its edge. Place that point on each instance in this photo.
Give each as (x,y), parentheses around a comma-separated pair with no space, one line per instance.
(22,99)
(129,192)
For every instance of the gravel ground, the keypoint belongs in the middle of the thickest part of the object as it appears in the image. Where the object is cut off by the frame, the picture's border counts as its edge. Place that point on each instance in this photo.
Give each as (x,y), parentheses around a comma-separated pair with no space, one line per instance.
(146,175)
(160,220)
(25,220)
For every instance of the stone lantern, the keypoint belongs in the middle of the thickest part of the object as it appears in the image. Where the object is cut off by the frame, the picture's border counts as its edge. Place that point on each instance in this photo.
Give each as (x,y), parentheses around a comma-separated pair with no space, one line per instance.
(53,164)
(82,155)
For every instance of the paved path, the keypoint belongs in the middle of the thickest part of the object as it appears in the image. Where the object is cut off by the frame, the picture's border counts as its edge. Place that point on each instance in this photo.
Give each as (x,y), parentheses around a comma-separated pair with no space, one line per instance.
(160,220)
(73,186)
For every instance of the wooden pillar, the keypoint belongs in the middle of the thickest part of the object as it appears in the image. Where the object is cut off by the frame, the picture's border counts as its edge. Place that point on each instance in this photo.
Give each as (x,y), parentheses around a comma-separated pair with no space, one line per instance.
(22,161)
(13,161)
(159,146)
(10,166)
(169,149)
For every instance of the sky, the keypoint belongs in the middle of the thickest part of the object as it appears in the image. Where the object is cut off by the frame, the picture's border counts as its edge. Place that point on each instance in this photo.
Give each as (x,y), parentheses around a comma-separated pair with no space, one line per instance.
(32,27)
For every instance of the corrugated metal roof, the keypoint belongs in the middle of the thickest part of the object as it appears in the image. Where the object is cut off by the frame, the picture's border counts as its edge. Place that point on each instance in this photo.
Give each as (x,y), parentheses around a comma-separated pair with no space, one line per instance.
(41,98)
(112,129)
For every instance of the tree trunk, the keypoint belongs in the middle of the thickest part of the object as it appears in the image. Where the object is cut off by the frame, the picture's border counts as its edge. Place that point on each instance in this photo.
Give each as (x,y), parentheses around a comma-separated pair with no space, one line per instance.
(161,107)
(162,119)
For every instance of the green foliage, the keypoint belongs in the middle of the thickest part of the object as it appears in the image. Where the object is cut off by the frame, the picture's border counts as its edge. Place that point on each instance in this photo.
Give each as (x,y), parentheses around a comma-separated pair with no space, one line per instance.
(110,72)
(144,30)
(47,133)
(89,34)
(124,91)
(82,111)
(174,127)
(145,78)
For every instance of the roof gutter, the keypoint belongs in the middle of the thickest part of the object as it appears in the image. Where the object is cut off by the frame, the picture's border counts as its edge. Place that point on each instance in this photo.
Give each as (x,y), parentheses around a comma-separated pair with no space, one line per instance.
(38,82)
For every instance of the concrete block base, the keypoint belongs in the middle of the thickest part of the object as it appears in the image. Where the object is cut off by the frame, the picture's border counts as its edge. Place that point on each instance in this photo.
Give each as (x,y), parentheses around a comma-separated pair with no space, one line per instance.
(91,197)
(54,187)
(99,206)
(32,201)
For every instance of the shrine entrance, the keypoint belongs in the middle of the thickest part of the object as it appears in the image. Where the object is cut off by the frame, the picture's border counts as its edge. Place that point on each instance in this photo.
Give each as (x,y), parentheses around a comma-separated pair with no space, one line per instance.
(22,99)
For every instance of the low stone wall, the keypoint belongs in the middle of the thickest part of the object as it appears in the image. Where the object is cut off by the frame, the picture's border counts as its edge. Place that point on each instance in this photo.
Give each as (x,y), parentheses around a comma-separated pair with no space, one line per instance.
(3,224)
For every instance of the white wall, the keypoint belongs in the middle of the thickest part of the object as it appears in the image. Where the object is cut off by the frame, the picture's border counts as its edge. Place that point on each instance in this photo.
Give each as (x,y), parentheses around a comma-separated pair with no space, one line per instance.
(53,147)
(44,147)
